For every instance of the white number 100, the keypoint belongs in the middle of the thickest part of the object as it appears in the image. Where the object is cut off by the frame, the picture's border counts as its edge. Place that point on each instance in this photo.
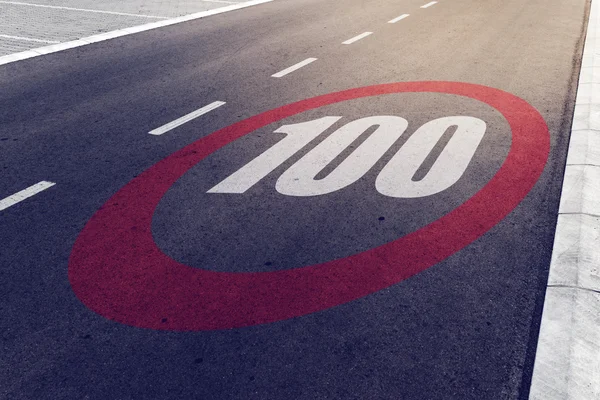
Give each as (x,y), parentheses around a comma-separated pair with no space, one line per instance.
(394,180)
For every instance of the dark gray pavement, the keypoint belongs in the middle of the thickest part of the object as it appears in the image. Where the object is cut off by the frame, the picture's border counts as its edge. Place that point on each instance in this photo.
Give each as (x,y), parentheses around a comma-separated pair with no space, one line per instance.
(464,328)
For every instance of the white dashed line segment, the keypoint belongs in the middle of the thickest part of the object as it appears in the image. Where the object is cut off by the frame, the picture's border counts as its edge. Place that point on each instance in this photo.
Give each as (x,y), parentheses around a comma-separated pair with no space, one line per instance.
(429,4)
(27,39)
(18,3)
(293,68)
(357,38)
(186,118)
(24,194)
(400,18)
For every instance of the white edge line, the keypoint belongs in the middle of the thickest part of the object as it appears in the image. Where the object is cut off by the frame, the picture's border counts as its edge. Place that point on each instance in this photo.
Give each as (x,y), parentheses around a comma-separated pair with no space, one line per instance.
(429,4)
(357,38)
(186,118)
(10,58)
(293,68)
(24,194)
(400,18)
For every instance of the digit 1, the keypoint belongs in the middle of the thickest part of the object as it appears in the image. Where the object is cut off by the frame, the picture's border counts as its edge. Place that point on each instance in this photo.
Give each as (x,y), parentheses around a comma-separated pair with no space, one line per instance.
(298,136)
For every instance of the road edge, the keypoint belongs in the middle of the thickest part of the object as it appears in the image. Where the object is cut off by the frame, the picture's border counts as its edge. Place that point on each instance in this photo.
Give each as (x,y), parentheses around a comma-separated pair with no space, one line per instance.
(567,362)
(10,58)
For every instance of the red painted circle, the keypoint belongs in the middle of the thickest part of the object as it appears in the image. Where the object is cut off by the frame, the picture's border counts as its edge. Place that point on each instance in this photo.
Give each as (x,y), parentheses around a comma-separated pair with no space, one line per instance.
(116,269)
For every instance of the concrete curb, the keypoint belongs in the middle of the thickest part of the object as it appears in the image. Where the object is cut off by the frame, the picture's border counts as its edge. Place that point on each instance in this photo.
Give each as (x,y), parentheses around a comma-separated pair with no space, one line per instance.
(567,364)
(122,32)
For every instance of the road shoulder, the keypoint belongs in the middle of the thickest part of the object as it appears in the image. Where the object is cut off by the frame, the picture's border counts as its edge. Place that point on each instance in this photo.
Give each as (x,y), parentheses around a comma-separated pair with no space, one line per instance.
(53,48)
(567,364)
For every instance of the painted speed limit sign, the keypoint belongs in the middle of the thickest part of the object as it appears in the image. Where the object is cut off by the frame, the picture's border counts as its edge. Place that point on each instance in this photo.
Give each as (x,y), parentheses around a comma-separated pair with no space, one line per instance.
(117,270)
(395,180)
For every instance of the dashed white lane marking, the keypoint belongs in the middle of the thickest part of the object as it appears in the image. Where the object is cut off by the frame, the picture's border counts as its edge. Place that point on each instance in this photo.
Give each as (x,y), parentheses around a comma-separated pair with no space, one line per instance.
(54,48)
(18,3)
(293,68)
(186,118)
(429,4)
(357,37)
(400,18)
(24,194)
(26,39)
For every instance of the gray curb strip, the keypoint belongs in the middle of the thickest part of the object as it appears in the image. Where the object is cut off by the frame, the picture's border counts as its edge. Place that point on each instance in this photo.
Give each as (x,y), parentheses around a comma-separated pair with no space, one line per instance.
(122,32)
(567,364)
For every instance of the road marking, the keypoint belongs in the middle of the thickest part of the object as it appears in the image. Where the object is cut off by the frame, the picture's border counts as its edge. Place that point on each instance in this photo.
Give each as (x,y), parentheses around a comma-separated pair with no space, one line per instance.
(396,179)
(18,3)
(357,38)
(429,4)
(400,18)
(55,48)
(116,243)
(293,68)
(186,118)
(24,194)
(29,39)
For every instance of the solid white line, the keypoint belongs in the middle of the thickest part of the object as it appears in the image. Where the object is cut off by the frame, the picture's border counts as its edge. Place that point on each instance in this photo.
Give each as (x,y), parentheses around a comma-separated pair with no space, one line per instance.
(54,48)
(24,194)
(393,21)
(28,39)
(293,68)
(357,38)
(429,4)
(18,3)
(186,118)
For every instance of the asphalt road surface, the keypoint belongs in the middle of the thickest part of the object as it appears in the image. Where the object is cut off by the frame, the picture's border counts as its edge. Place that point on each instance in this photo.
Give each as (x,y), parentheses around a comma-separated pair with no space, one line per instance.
(389,242)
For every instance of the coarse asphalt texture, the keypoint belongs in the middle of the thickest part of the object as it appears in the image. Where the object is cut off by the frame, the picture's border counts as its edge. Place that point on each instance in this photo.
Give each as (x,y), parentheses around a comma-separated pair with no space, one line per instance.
(465,328)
